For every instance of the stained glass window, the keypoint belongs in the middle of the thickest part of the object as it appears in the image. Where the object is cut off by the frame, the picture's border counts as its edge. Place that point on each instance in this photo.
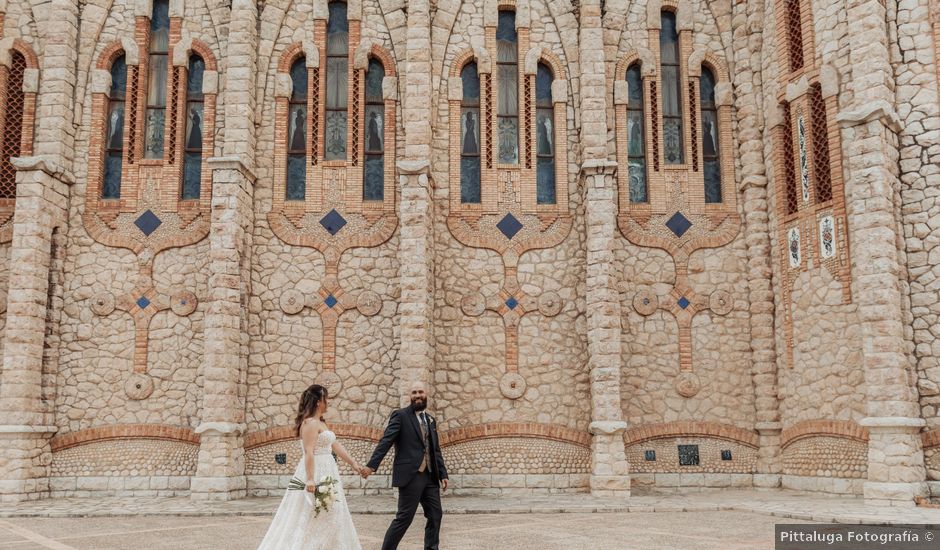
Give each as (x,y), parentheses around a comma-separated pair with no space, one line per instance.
(712,169)
(156,80)
(114,132)
(337,79)
(374,174)
(195,123)
(545,136)
(297,132)
(636,136)
(507,81)
(672,89)
(470,135)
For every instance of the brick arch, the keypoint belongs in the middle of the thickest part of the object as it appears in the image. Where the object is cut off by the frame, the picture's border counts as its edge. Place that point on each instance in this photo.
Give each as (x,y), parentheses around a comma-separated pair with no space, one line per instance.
(648,66)
(109,55)
(124,431)
(535,430)
(383,55)
(702,57)
(32,62)
(285,433)
(691,429)
(845,429)
(289,56)
(538,55)
(198,47)
(480,55)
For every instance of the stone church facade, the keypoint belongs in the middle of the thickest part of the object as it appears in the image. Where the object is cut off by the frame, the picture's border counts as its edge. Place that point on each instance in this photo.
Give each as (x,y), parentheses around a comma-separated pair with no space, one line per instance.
(656,243)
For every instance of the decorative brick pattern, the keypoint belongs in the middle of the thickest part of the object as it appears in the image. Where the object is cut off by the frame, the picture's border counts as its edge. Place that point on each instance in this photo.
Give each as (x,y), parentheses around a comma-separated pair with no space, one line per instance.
(634,436)
(124,431)
(826,456)
(126,458)
(744,457)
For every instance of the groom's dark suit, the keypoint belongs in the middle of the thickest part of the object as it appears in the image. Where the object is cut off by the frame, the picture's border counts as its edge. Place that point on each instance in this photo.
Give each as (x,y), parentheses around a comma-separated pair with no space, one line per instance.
(404,431)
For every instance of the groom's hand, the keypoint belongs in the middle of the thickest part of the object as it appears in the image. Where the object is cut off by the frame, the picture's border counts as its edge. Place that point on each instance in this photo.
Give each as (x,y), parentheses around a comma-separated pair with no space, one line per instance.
(444,485)
(365,472)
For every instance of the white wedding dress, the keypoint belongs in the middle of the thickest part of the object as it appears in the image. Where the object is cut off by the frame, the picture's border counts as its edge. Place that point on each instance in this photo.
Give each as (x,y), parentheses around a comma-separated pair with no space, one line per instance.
(295,527)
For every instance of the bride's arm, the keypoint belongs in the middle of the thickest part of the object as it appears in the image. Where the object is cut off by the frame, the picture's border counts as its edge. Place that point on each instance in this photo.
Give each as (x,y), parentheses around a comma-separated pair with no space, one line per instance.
(308,434)
(341,452)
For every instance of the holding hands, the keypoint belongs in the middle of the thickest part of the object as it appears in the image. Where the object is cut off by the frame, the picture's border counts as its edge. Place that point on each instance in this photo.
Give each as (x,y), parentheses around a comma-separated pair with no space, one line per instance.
(365,471)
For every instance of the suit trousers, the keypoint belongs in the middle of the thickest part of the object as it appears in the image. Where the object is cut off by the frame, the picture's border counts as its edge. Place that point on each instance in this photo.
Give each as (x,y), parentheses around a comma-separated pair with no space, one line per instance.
(424,490)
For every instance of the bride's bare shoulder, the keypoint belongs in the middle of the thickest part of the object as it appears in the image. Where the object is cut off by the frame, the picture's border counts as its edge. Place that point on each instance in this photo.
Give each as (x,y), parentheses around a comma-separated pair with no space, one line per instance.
(311,427)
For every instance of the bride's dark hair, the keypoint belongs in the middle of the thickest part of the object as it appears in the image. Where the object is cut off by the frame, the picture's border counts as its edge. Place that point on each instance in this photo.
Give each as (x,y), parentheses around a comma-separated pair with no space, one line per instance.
(309,402)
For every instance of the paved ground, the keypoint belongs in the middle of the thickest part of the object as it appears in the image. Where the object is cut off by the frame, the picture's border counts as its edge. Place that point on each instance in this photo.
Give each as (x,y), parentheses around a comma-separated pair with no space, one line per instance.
(698,530)
(729,520)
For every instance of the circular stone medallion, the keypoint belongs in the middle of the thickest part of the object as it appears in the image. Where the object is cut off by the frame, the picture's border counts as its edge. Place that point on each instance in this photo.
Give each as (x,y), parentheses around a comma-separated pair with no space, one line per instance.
(183,302)
(645,302)
(292,301)
(720,302)
(473,304)
(331,381)
(550,304)
(138,386)
(512,385)
(688,384)
(102,303)
(368,303)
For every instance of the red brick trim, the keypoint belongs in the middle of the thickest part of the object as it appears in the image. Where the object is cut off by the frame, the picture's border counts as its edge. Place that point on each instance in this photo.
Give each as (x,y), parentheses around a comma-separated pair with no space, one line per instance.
(691,429)
(462,59)
(552,60)
(124,431)
(288,56)
(203,50)
(845,429)
(520,429)
(282,433)
(931,439)
(111,52)
(32,62)
(388,62)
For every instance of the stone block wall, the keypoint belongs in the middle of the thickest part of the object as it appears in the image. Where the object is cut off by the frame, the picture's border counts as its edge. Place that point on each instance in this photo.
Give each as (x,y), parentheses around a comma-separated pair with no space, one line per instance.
(562,342)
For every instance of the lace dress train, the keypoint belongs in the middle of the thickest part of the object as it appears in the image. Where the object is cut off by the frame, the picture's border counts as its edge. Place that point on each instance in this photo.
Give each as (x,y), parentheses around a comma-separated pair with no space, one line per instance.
(294,526)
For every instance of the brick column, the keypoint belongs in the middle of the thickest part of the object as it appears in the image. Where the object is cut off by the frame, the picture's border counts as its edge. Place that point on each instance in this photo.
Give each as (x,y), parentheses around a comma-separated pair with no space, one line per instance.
(416,207)
(896,470)
(220,469)
(42,190)
(747,79)
(220,472)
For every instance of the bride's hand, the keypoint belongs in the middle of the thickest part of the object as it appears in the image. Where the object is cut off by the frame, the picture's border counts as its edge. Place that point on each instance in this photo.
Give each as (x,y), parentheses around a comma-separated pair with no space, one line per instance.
(311,487)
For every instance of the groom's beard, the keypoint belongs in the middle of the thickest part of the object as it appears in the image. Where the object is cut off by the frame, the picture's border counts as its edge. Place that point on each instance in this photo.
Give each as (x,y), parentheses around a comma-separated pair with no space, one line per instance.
(419,404)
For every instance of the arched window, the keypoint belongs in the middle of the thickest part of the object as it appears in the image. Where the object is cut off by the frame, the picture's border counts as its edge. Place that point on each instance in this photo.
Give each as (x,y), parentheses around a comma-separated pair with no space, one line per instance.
(156,80)
(710,149)
(297,132)
(545,136)
(337,79)
(195,122)
(636,136)
(470,135)
(373,187)
(12,124)
(507,80)
(114,137)
(672,90)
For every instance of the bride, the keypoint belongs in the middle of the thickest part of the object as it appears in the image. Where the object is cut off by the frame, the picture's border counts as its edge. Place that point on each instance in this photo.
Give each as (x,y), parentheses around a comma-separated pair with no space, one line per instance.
(294,526)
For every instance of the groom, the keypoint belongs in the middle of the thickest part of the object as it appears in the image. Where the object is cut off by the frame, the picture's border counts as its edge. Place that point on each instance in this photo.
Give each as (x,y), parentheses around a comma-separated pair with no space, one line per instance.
(418,471)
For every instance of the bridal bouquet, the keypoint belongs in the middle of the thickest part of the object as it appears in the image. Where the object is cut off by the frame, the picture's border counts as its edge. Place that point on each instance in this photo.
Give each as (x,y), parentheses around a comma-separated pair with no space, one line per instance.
(325,494)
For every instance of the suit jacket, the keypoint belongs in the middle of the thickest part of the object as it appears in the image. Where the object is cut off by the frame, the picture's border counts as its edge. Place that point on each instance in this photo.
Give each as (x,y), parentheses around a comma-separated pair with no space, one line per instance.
(404,433)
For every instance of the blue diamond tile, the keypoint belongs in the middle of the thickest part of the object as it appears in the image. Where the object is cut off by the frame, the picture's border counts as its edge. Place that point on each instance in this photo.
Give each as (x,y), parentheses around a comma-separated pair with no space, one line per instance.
(683,302)
(333,222)
(511,303)
(148,222)
(143,302)
(509,225)
(678,224)
(330,301)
